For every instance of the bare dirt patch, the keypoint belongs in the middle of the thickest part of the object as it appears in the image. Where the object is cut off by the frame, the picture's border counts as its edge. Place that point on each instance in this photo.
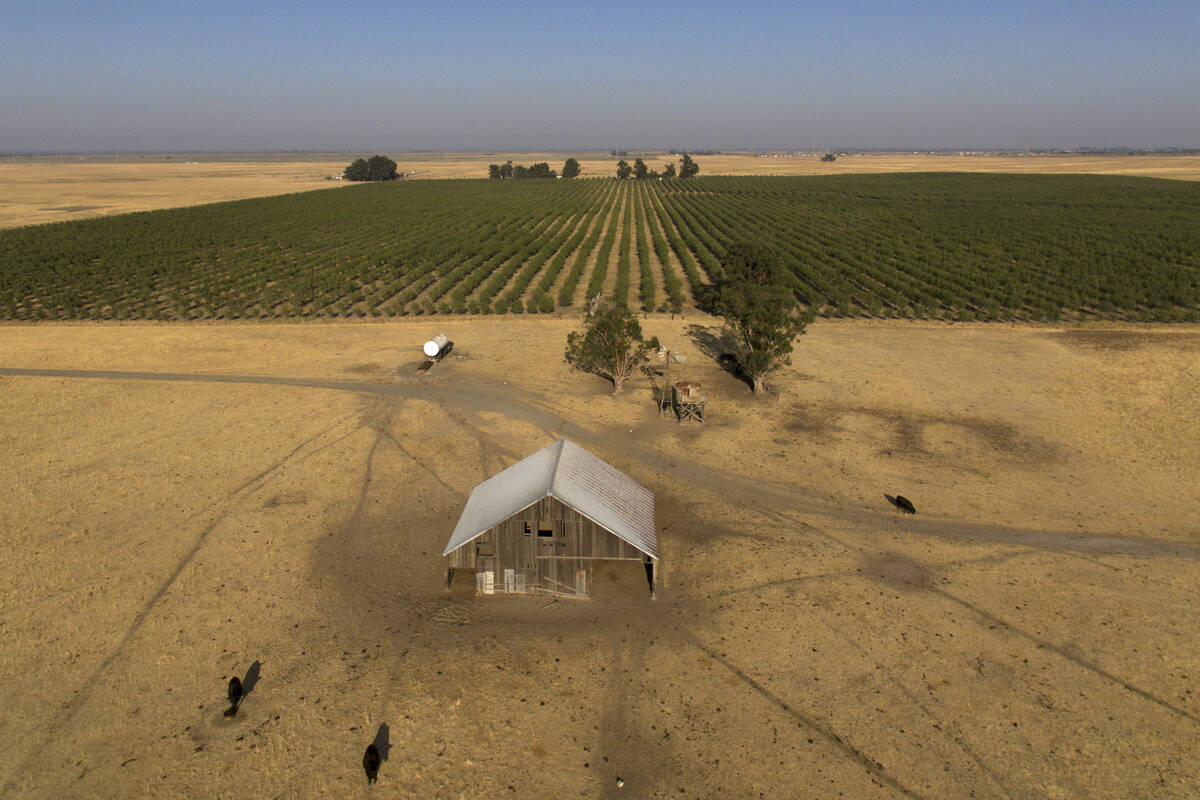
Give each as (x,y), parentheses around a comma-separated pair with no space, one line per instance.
(180,502)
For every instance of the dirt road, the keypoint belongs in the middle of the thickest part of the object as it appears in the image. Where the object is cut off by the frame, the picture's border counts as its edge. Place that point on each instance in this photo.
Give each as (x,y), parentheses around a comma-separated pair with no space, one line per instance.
(180,502)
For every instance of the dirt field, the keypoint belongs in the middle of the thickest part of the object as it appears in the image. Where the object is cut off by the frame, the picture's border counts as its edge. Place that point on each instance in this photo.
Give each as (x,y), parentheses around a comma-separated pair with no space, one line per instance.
(60,189)
(180,502)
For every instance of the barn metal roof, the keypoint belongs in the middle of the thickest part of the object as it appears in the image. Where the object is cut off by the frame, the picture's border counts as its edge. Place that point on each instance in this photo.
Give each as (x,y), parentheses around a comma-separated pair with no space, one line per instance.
(567,472)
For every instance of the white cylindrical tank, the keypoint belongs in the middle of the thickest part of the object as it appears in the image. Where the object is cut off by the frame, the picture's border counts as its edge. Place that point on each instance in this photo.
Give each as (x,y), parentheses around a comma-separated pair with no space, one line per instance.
(435,345)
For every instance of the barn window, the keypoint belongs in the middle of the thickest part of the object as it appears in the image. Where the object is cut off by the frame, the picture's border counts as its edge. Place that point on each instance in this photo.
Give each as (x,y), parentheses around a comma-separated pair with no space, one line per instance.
(528,529)
(545,530)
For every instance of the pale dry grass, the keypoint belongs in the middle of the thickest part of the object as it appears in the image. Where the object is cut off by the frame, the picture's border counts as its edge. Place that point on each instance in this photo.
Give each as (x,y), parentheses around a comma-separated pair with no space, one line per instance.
(1176,167)
(179,501)
(58,189)
(33,192)
(473,165)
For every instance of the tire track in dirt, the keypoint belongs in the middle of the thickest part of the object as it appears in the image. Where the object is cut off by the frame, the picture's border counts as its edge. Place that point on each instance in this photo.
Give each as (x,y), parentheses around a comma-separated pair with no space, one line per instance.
(948,726)
(202,377)
(870,765)
(78,700)
(997,622)
(498,399)
(482,395)
(396,442)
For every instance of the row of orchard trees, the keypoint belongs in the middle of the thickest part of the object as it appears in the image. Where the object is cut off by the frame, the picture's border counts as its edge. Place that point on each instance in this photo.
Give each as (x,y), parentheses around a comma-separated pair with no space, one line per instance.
(541,169)
(688,168)
(965,246)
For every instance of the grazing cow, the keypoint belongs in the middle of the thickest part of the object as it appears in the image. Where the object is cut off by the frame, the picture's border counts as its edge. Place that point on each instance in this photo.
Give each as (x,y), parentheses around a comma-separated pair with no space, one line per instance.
(371,762)
(235,696)
(905,505)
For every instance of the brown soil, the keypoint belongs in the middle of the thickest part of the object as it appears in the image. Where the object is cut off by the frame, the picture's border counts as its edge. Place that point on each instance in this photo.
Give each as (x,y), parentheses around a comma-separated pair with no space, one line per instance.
(179,502)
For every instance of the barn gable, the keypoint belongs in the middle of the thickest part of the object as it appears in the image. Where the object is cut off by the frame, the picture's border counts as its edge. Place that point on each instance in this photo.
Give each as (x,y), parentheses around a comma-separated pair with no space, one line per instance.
(565,471)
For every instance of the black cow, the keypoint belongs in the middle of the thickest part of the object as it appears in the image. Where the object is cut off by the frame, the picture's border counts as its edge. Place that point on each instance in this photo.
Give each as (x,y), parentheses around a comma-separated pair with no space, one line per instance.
(905,505)
(235,696)
(371,762)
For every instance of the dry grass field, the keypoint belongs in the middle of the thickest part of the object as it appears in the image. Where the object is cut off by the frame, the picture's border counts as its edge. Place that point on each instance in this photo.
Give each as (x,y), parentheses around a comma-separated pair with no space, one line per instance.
(33,192)
(180,502)
(1176,167)
(53,190)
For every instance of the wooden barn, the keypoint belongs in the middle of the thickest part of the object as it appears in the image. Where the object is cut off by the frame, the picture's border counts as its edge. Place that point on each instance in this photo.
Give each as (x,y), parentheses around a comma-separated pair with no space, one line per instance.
(542,524)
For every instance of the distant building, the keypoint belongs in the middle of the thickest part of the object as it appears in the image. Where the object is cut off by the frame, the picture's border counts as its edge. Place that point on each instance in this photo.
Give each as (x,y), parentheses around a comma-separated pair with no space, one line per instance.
(543,523)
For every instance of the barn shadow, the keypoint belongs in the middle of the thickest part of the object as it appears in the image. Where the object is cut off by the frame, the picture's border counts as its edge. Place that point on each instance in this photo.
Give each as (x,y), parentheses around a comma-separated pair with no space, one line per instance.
(462,584)
(620,583)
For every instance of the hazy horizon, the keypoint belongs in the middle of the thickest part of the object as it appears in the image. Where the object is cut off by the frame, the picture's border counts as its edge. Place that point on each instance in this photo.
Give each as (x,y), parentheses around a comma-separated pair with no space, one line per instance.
(475,78)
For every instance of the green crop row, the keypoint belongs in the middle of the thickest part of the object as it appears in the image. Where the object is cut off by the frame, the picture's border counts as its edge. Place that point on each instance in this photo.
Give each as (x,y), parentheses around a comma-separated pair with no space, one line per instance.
(950,246)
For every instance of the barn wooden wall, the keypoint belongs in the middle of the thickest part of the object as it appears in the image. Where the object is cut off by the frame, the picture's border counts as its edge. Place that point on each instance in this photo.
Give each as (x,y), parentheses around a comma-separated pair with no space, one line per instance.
(524,563)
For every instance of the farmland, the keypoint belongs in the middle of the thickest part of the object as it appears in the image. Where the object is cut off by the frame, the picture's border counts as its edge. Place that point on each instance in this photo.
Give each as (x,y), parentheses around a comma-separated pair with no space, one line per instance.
(34,192)
(927,246)
(180,501)
(40,189)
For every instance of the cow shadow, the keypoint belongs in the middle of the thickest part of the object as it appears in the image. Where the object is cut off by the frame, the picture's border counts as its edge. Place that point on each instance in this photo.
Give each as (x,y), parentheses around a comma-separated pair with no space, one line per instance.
(251,679)
(383,741)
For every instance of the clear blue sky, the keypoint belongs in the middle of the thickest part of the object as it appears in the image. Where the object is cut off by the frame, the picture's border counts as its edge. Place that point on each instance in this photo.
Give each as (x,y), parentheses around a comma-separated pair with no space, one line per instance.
(524,76)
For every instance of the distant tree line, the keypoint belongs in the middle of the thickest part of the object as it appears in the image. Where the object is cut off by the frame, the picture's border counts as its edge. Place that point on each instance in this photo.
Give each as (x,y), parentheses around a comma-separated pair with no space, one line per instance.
(694,152)
(639,171)
(541,169)
(375,168)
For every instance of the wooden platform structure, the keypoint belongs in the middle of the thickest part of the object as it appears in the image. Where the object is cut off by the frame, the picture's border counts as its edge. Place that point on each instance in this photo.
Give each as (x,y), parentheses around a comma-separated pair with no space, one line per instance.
(689,402)
(542,524)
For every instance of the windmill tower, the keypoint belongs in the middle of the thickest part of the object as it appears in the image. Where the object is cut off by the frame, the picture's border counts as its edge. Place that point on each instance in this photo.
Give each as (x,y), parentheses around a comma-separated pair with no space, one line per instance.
(668,357)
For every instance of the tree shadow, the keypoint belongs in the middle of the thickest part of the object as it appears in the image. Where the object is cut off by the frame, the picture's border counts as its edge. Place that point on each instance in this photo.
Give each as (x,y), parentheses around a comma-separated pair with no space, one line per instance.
(574,361)
(917,434)
(896,570)
(721,348)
